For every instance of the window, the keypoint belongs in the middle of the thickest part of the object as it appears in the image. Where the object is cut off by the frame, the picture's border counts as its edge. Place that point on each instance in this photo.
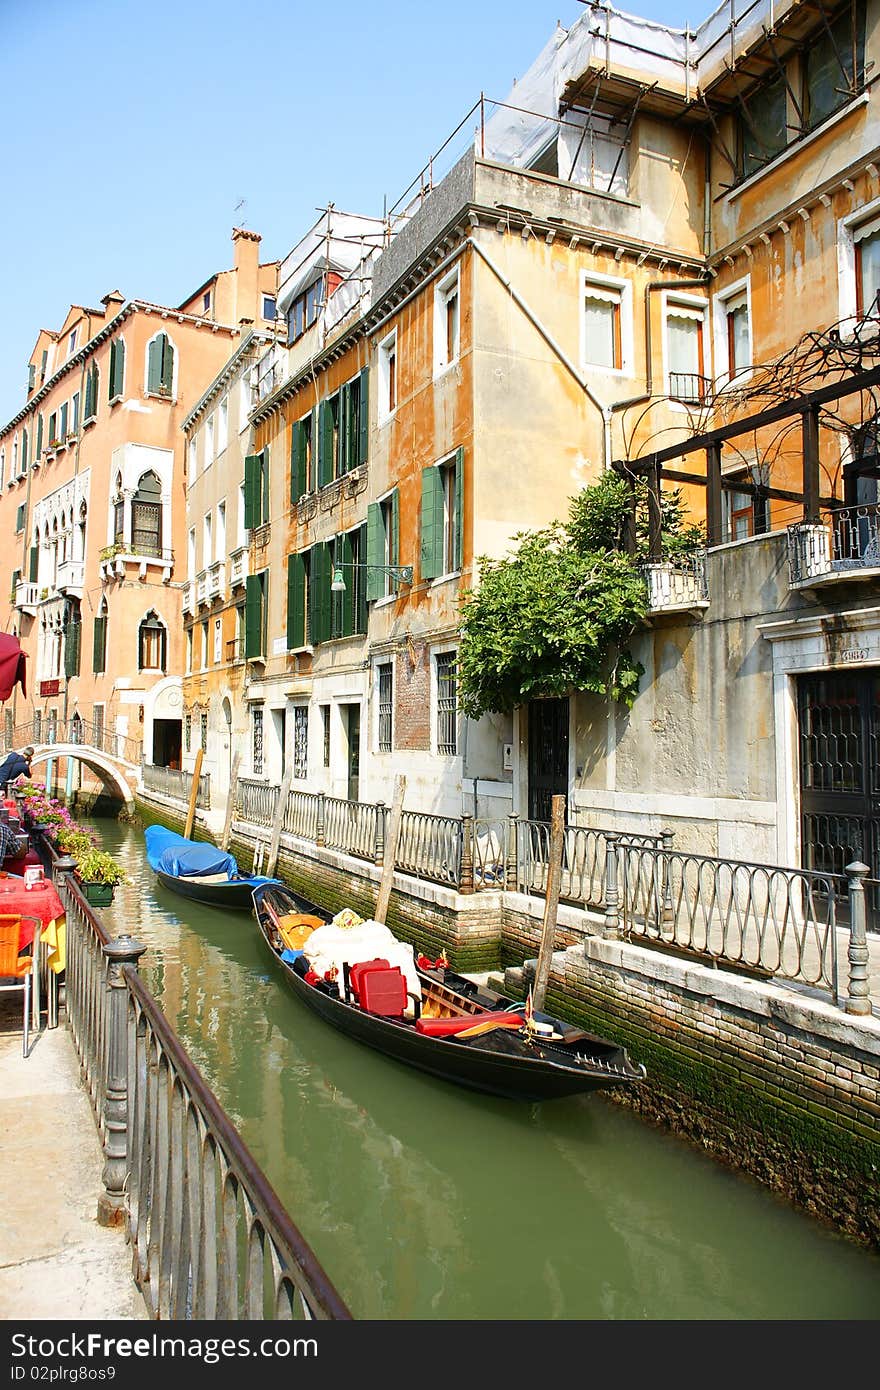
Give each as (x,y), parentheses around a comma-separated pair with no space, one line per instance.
(206,302)
(305,309)
(388,376)
(2,467)
(32,376)
(447,704)
(218,641)
(441,517)
(24,451)
(71,342)
(53,430)
(257,740)
(385,680)
(325,724)
(684,349)
(152,643)
(187,733)
(223,426)
(72,638)
(256,614)
(383,533)
(20,515)
(319,595)
(63,414)
(446,322)
(834,66)
(189,650)
(74,413)
(256,490)
(739,347)
(99,640)
(763,129)
(205,652)
(867,265)
(92,386)
(207,541)
(38,446)
(146,516)
(160,366)
(116,375)
(209,442)
(297,599)
(348,612)
(746,511)
(300,741)
(269,307)
(203,731)
(342,438)
(606,324)
(220,538)
(303,456)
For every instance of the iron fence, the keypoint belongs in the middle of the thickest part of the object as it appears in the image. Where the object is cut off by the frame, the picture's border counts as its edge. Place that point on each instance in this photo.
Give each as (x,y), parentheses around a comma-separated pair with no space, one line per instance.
(352,826)
(209,1237)
(255,801)
(584,859)
(172,781)
(677,583)
(41,732)
(848,538)
(430,847)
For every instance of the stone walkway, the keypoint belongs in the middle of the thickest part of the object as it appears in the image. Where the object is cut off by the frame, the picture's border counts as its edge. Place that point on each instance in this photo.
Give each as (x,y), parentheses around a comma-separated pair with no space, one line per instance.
(56,1262)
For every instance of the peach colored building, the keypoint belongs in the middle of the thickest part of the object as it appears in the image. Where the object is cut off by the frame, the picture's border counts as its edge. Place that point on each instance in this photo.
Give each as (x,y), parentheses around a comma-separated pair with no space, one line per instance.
(92,501)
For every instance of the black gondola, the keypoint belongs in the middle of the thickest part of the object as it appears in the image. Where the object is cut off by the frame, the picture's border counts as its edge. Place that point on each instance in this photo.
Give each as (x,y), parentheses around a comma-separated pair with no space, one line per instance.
(506,1054)
(199,871)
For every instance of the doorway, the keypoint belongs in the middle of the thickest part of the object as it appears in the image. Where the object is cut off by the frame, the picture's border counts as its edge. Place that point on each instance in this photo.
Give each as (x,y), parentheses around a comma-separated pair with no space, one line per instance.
(352,724)
(548,756)
(167,742)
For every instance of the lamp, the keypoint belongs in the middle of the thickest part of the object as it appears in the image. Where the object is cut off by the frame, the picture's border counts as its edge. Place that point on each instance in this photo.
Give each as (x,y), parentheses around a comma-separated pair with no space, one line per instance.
(402,573)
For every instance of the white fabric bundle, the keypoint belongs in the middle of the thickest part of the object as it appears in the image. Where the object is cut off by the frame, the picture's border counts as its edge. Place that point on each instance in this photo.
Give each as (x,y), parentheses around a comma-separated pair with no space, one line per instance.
(332,945)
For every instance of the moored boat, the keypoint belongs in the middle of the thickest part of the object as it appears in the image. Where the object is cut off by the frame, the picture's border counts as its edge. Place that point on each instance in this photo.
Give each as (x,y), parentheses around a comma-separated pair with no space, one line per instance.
(200,871)
(428,1016)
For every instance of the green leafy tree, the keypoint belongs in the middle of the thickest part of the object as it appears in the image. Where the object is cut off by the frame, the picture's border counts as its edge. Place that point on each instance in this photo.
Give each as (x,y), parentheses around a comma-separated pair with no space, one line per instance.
(556,615)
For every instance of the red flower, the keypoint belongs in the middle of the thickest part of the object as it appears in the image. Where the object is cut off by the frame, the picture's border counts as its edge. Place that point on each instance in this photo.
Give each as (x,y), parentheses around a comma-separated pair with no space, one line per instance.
(311,978)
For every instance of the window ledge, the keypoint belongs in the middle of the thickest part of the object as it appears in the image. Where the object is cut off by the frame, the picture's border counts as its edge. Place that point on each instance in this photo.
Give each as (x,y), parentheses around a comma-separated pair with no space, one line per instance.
(300,651)
(160,396)
(800,144)
(447,367)
(445,578)
(92,420)
(114,400)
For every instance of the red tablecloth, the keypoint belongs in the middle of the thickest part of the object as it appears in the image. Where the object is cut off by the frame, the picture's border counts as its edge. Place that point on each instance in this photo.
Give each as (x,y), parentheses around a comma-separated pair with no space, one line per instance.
(40,901)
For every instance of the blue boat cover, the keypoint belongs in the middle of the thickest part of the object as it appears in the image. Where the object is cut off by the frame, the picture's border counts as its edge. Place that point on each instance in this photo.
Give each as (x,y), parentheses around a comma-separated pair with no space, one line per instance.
(173,854)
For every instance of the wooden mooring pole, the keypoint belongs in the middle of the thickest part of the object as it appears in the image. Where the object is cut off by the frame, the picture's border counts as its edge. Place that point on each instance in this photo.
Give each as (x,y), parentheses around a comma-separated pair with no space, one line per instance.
(194,794)
(390,850)
(278,821)
(551,904)
(230,802)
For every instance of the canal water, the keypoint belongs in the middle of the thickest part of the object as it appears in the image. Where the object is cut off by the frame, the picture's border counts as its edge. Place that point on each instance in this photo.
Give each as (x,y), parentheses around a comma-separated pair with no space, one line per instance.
(425,1201)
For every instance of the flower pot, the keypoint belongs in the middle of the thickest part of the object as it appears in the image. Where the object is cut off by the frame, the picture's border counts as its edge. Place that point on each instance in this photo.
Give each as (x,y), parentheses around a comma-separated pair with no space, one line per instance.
(97,894)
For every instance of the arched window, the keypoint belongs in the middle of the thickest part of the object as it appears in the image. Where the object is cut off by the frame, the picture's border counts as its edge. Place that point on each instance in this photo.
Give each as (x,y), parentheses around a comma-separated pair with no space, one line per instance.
(72,643)
(79,540)
(146,516)
(99,640)
(152,643)
(160,366)
(118,511)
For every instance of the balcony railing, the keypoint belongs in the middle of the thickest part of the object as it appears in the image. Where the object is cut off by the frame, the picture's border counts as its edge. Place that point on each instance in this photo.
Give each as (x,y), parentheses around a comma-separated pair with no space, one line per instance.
(688,386)
(677,585)
(171,781)
(26,596)
(202,587)
(189,597)
(238,566)
(70,576)
(216,579)
(845,543)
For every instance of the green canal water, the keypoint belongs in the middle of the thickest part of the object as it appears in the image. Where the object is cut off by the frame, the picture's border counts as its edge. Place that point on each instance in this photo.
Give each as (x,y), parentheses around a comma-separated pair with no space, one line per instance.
(425,1201)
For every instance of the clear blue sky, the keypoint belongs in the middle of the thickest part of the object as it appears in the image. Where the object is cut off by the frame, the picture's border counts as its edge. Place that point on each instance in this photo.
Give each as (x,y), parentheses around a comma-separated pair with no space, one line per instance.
(131,132)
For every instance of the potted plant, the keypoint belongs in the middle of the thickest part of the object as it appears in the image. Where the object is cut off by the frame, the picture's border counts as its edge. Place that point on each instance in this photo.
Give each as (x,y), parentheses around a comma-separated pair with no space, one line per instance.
(98,874)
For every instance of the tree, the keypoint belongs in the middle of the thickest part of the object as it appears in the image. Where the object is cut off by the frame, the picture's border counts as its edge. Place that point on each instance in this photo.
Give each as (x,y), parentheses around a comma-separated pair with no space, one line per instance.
(556,615)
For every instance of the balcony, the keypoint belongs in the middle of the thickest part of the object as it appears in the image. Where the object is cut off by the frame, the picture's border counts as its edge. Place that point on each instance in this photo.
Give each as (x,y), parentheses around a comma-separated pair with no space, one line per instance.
(202,587)
(115,561)
(235,650)
(216,579)
(188,597)
(70,578)
(26,597)
(689,387)
(844,547)
(239,567)
(677,586)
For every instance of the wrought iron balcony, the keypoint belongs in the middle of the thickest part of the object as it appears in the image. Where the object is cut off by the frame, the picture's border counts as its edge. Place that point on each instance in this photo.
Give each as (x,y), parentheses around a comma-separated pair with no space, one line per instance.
(677,586)
(688,386)
(845,545)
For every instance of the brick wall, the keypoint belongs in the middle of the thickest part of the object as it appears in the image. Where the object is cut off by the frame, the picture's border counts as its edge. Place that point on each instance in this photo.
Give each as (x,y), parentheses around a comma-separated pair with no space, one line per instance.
(412,698)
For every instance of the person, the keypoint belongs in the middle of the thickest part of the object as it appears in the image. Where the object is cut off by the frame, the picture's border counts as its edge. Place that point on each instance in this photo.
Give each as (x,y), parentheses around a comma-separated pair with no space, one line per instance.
(8,845)
(15,765)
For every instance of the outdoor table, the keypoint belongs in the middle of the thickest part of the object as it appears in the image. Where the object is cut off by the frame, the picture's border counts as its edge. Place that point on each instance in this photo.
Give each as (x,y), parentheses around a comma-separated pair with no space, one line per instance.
(40,901)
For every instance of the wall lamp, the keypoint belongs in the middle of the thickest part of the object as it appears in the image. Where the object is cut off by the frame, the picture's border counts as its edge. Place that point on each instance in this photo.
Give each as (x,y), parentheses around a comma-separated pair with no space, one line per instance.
(402,573)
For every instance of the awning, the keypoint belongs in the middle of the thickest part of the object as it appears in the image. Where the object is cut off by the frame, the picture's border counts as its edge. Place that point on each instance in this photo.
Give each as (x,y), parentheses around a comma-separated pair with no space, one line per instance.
(12,665)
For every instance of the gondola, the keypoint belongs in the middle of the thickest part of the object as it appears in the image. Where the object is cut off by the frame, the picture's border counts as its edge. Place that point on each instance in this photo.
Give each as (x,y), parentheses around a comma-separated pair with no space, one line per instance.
(458,1030)
(199,871)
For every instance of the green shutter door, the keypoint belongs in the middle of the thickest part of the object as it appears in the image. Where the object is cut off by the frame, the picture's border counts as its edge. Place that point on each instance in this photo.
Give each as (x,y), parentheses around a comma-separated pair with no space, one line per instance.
(166,369)
(351,586)
(345,459)
(298,481)
(38,452)
(71,649)
(394,546)
(431,548)
(325,443)
(457,509)
(253,616)
(296,602)
(375,586)
(111,376)
(360,615)
(251,491)
(24,451)
(154,366)
(264,486)
(364,420)
(319,607)
(34,562)
(99,645)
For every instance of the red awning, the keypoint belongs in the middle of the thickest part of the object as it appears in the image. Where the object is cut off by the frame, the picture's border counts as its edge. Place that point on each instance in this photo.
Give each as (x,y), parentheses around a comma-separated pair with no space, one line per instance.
(12,668)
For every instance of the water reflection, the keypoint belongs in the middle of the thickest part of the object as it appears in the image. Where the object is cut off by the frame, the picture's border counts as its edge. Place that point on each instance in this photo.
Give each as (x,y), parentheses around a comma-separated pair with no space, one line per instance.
(424,1200)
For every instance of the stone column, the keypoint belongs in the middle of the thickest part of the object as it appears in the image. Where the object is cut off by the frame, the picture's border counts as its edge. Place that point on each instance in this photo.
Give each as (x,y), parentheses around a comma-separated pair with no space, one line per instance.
(858,1000)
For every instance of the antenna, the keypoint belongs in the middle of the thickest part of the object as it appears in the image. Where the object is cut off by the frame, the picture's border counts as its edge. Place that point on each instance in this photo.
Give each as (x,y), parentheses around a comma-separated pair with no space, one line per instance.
(242,203)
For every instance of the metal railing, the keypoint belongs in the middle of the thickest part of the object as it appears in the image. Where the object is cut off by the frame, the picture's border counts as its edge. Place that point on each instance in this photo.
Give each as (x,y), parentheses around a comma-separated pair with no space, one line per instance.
(209,1237)
(430,847)
(688,386)
(584,859)
(172,781)
(80,731)
(678,583)
(353,827)
(848,539)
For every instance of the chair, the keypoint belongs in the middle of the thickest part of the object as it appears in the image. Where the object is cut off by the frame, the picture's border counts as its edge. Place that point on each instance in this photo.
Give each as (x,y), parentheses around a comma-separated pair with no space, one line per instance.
(15,970)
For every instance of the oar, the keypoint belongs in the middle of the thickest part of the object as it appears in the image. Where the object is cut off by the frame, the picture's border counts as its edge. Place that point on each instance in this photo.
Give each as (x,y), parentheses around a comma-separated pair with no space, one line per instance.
(488,1026)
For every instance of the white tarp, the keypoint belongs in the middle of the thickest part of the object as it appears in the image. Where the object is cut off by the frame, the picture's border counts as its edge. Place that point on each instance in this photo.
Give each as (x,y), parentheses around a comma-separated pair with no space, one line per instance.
(338,241)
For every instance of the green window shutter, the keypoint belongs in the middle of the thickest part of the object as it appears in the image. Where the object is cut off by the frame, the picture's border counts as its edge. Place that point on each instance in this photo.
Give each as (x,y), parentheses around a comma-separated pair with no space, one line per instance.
(71,649)
(351,586)
(394,547)
(19,517)
(24,450)
(364,420)
(154,365)
(345,454)
(53,428)
(111,375)
(251,491)
(319,604)
(360,613)
(325,443)
(99,645)
(431,548)
(166,370)
(298,484)
(457,509)
(375,586)
(32,375)
(313,462)
(117,367)
(33,563)
(264,486)
(38,452)
(87,403)
(296,601)
(253,616)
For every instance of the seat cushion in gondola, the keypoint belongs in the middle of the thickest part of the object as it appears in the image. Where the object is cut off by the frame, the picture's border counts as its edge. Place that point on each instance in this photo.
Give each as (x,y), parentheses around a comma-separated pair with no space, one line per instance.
(449,1027)
(358,971)
(384,992)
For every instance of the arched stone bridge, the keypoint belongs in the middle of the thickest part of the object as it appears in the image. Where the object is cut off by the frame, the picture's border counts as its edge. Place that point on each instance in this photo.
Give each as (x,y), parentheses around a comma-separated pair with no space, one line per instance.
(117,774)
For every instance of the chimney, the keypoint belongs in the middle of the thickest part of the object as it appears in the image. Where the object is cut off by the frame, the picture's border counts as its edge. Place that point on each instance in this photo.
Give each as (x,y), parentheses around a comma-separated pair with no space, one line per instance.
(246,264)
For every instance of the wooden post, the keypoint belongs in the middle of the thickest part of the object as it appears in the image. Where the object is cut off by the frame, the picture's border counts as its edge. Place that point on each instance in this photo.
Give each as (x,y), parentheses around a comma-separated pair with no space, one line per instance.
(390,850)
(278,820)
(230,804)
(810,438)
(714,512)
(551,905)
(194,794)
